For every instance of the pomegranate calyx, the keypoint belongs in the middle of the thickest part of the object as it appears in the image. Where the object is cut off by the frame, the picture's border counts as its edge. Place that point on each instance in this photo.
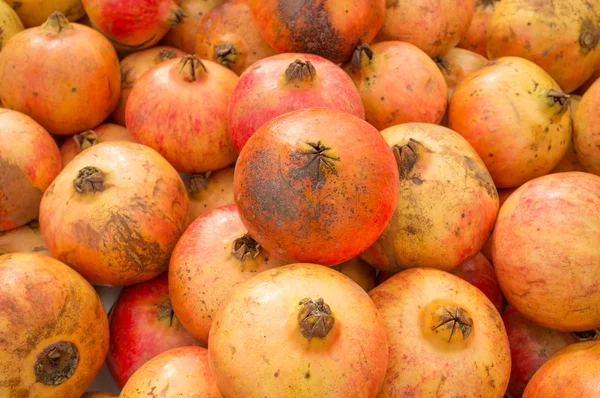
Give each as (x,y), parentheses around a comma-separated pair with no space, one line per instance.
(199,182)
(452,320)
(177,16)
(56,363)
(86,139)
(558,97)
(245,247)
(56,22)
(406,157)
(589,36)
(362,52)
(89,179)
(587,335)
(226,54)
(300,71)
(320,163)
(443,64)
(315,318)
(191,68)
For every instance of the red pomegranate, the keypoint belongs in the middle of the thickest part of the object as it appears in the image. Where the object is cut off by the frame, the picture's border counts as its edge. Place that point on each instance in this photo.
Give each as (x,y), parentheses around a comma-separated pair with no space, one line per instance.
(480,273)
(284,83)
(586,132)
(475,39)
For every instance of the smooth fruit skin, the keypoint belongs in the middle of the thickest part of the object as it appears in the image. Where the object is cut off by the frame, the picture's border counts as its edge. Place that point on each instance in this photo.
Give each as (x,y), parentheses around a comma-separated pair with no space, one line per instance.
(546,252)
(180,372)
(475,39)
(209,190)
(458,63)
(25,239)
(43,302)
(480,273)
(586,132)
(10,24)
(350,361)
(423,363)
(34,12)
(308,180)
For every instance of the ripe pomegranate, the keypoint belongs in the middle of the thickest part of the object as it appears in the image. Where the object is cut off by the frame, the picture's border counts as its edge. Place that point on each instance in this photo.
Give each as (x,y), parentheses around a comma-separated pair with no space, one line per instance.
(54,334)
(456,64)
(319,325)
(560,36)
(480,273)
(25,239)
(439,170)
(570,162)
(34,12)
(359,271)
(447,331)
(10,24)
(503,194)
(133,25)
(433,26)
(183,35)
(308,180)
(180,372)
(398,83)
(135,205)
(573,371)
(227,35)
(168,110)
(29,162)
(546,253)
(133,67)
(43,76)
(515,116)
(586,132)
(284,83)
(209,190)
(103,133)
(214,255)
(531,345)
(475,39)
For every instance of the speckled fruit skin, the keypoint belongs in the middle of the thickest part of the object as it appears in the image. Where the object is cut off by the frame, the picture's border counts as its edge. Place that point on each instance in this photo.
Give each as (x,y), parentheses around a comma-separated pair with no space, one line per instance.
(515,116)
(586,132)
(424,363)
(480,273)
(458,63)
(329,28)
(475,39)
(25,239)
(546,253)
(350,361)
(183,36)
(308,180)
(43,302)
(210,190)
(34,12)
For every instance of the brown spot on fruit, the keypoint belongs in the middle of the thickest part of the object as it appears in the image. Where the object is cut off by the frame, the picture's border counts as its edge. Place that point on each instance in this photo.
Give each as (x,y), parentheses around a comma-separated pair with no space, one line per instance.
(56,363)
(319,164)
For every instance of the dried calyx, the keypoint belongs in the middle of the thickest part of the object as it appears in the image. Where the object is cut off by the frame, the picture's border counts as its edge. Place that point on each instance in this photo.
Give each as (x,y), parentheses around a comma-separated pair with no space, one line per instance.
(191,68)
(451,322)
(56,363)
(406,157)
(199,182)
(165,310)
(56,22)
(177,16)
(558,97)
(86,139)
(315,318)
(362,53)
(226,54)
(300,71)
(245,248)
(89,179)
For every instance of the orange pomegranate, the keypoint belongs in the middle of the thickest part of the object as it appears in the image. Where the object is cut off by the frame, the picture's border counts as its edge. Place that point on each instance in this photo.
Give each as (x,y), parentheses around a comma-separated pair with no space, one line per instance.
(570,162)
(359,271)
(135,205)
(10,24)
(318,323)
(209,190)
(25,239)
(103,133)
(54,336)
(458,63)
(34,12)
(475,39)
(586,132)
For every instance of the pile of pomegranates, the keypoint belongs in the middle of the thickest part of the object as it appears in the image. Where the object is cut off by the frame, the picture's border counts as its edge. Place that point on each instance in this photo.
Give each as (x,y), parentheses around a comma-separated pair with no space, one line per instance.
(299,198)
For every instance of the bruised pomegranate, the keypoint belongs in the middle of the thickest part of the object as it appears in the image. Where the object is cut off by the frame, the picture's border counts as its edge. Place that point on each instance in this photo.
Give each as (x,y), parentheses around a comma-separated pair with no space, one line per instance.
(214,255)
(29,162)
(183,35)
(209,190)
(319,325)
(34,12)
(475,39)
(54,334)
(480,273)
(284,83)
(570,162)
(359,271)
(10,24)
(103,133)
(308,180)
(546,253)
(448,331)
(586,132)
(135,208)
(398,83)
(227,35)
(456,64)
(515,116)
(179,108)
(25,239)
(439,170)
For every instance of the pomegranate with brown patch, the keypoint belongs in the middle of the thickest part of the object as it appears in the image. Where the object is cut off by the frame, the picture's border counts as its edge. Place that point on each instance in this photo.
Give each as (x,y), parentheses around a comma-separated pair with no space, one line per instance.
(586,132)
(183,35)
(82,141)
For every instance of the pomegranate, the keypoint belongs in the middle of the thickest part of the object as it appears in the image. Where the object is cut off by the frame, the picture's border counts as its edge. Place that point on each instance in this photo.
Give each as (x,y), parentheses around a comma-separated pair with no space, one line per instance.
(54,334)
(445,337)
(359,271)
(573,371)
(98,395)
(475,39)
(456,64)
(308,180)
(586,132)
(10,24)
(133,67)
(168,110)
(515,116)
(439,170)
(34,12)
(43,76)
(25,239)
(546,253)
(503,194)
(284,83)
(133,25)
(433,26)
(570,162)
(227,35)
(209,190)
(480,273)
(143,325)
(398,83)
(560,36)
(183,35)
(588,83)
(135,205)
(319,325)
(103,133)
(29,162)
(180,372)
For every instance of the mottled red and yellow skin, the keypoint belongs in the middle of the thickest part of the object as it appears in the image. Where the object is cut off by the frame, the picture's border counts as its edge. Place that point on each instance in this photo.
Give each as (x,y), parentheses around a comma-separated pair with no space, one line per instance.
(142,326)
(34,12)
(546,253)
(29,162)
(180,372)
(359,271)
(183,35)
(329,28)
(204,270)
(209,191)
(433,26)
(130,228)
(531,345)
(447,202)
(309,180)
(475,39)
(586,132)
(64,75)
(43,302)
(458,63)
(350,361)
(265,92)
(480,273)
(10,24)
(168,110)
(503,194)
(551,34)
(515,116)
(25,239)
(398,84)
(424,363)
(227,35)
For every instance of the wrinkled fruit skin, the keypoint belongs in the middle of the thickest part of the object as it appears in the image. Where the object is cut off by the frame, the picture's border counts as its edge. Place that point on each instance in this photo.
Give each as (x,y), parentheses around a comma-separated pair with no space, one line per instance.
(300,184)
(546,253)
(480,273)
(207,191)
(586,132)
(34,12)
(458,63)
(475,39)
(45,304)
(25,239)
(10,24)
